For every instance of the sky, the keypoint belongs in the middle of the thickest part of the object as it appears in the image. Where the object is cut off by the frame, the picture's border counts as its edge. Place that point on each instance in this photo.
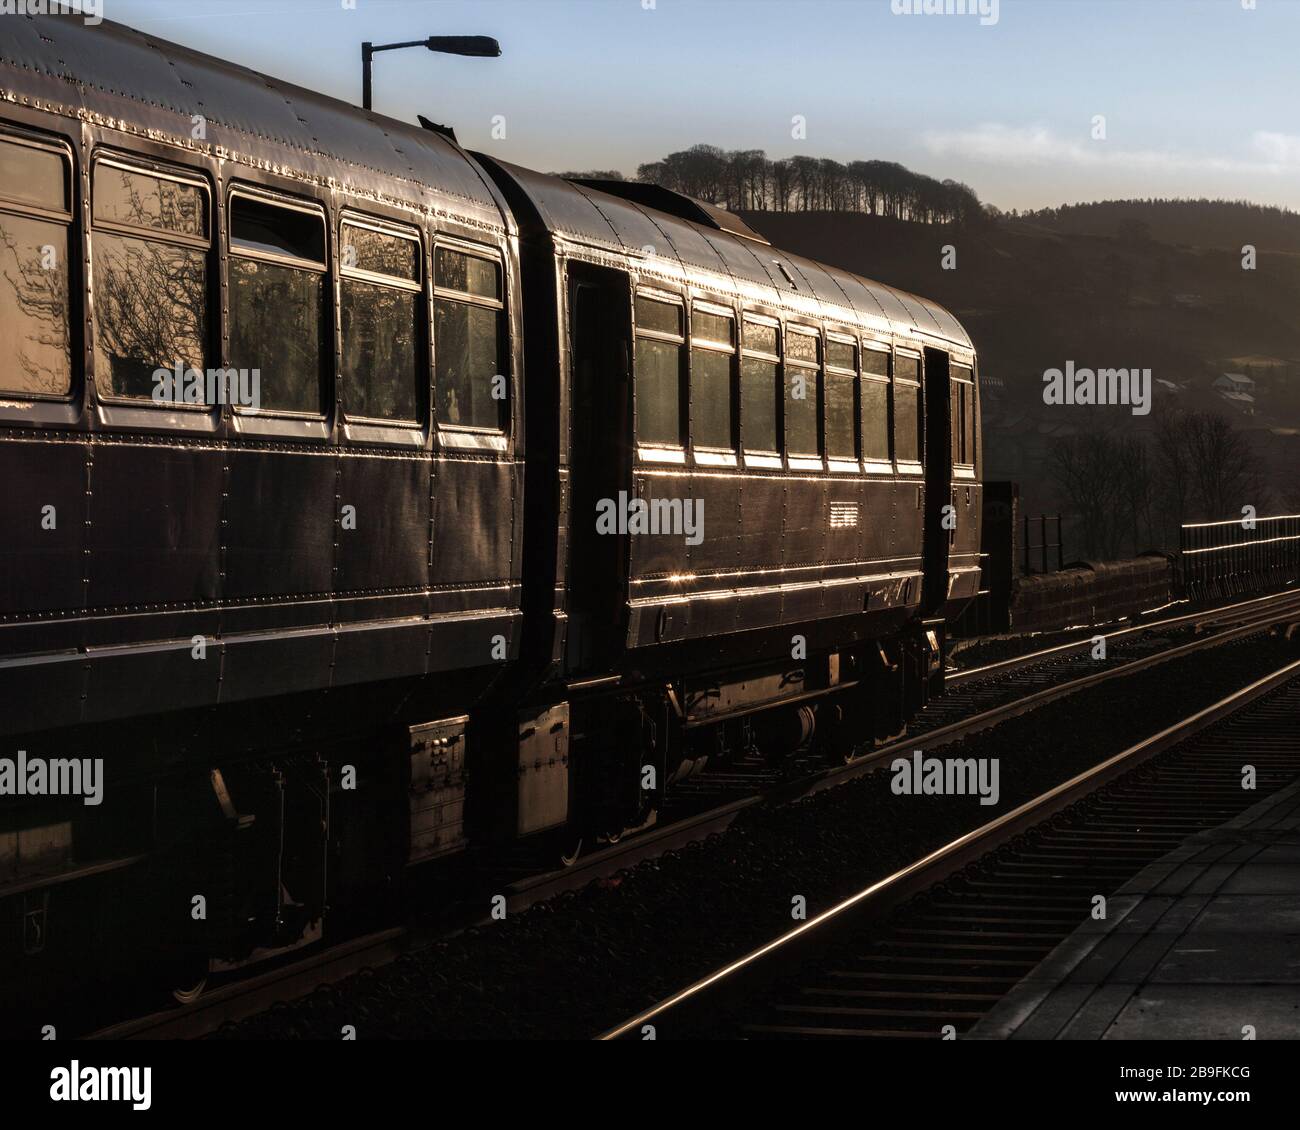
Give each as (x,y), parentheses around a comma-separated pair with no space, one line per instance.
(1199,97)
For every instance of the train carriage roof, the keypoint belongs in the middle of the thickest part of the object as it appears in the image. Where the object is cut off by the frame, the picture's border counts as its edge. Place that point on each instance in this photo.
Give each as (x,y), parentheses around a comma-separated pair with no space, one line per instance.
(626,225)
(125,78)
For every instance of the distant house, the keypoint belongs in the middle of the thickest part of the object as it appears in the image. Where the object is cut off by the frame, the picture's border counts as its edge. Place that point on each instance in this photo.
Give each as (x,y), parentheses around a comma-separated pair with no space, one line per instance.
(1235,382)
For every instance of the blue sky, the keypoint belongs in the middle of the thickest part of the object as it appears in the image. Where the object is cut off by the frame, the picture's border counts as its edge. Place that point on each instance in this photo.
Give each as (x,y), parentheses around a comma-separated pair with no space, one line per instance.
(1201,97)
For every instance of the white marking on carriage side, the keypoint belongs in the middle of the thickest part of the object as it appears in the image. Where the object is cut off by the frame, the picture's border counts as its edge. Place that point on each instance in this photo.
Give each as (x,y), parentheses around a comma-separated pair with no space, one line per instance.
(844,515)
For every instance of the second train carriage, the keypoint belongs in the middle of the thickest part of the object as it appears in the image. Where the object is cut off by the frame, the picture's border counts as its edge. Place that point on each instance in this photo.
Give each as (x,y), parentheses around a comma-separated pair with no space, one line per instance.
(823,427)
(393,569)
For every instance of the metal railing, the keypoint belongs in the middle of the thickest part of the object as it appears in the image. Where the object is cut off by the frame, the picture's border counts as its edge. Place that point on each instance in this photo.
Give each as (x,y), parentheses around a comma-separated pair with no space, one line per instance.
(1239,555)
(1042,549)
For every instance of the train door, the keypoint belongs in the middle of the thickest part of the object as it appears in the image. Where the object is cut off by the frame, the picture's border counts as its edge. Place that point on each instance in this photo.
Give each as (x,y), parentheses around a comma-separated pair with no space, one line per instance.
(600,445)
(937,536)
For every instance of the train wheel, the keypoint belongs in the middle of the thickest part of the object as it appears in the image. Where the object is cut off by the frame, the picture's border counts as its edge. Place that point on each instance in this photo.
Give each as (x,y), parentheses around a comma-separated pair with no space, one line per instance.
(190,995)
(568,859)
(184,977)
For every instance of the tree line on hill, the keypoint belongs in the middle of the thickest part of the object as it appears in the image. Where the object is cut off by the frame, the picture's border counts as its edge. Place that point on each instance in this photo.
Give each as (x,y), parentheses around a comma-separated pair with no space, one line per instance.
(1195,223)
(747,179)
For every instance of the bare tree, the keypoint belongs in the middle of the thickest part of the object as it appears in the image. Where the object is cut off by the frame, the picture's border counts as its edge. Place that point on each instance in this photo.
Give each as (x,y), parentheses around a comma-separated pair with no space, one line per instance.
(747,178)
(1136,488)
(1085,471)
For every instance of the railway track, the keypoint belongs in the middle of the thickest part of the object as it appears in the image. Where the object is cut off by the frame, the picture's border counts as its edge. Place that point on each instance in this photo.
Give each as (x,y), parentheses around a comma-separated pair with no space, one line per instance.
(1237,612)
(926,951)
(1036,679)
(987,695)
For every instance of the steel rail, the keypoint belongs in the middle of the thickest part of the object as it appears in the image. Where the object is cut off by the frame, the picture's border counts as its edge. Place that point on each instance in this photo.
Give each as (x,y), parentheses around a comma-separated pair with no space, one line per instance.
(1204,616)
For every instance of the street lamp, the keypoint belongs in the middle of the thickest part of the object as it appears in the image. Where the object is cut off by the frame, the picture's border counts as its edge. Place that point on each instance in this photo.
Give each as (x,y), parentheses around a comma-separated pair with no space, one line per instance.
(478,46)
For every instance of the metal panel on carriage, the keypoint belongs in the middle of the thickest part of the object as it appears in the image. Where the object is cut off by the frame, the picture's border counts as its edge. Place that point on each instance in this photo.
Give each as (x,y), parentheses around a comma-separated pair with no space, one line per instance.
(543,751)
(475,535)
(817,280)
(864,298)
(391,496)
(154,519)
(891,305)
(632,229)
(42,552)
(918,313)
(744,259)
(438,781)
(691,247)
(280,522)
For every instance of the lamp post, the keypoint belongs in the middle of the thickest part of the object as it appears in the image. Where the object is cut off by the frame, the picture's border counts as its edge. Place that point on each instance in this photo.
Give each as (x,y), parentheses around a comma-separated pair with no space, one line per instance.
(477,46)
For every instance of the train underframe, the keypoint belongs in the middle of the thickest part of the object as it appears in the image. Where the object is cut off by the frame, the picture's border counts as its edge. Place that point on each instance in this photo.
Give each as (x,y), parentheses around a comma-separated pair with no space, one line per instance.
(208,861)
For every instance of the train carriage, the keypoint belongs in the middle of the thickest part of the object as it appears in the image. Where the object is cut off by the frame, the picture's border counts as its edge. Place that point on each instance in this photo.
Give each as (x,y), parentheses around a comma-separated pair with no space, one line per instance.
(677,360)
(232,595)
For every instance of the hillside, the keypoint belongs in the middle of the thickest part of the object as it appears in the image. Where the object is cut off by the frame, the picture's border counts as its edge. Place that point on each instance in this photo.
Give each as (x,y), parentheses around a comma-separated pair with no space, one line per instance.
(1036,292)
(1220,224)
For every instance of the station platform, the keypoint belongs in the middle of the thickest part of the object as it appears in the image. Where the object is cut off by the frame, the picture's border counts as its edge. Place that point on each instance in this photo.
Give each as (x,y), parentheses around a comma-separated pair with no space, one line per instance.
(1204,944)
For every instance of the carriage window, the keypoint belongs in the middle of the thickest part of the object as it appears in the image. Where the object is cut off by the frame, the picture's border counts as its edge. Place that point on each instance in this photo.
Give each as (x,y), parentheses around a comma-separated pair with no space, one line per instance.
(960,423)
(801,380)
(956,403)
(760,390)
(909,415)
(659,345)
(875,404)
(34,175)
(379,306)
(712,350)
(277,301)
(273,229)
(875,363)
(35,229)
(472,390)
(970,423)
(841,355)
(149,275)
(963,382)
(841,399)
(139,199)
(468,274)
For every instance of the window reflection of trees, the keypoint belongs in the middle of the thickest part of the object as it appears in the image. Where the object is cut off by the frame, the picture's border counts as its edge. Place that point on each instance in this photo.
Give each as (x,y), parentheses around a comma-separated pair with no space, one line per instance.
(35,326)
(379,363)
(466,340)
(151,305)
(275,326)
(151,297)
(381,253)
(145,201)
